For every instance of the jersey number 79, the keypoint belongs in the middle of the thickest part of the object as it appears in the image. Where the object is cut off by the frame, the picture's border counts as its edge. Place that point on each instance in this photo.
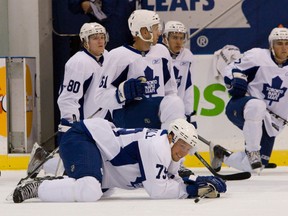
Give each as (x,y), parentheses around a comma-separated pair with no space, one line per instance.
(162,171)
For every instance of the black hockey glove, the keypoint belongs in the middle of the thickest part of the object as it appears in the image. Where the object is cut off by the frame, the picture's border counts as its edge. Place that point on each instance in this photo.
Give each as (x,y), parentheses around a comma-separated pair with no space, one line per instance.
(131,89)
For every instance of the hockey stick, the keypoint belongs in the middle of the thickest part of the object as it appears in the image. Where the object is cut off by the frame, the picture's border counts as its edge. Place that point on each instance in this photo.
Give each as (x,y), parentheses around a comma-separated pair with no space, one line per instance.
(285,122)
(51,155)
(229,177)
(91,116)
(22,180)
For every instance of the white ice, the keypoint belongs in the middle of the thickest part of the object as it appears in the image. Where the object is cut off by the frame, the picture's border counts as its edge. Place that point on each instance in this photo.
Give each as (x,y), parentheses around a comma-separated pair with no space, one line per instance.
(264,195)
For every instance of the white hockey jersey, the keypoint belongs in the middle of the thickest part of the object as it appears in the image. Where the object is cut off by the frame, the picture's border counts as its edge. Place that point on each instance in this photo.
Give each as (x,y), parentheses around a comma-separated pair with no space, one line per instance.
(137,158)
(125,62)
(182,67)
(266,81)
(81,78)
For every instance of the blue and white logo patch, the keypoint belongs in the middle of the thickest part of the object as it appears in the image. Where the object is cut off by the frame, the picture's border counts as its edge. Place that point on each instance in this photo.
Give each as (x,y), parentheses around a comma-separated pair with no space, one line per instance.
(274,92)
(152,83)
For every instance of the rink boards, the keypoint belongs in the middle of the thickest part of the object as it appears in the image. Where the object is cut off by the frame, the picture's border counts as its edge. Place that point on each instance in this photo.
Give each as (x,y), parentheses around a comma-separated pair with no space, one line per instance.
(20,162)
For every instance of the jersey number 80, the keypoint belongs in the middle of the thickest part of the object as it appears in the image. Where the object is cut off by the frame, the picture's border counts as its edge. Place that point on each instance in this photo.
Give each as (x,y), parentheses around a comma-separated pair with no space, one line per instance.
(73,86)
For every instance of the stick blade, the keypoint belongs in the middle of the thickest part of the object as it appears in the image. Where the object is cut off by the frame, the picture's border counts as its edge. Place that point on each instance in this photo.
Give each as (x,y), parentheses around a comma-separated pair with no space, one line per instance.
(235,176)
(271,166)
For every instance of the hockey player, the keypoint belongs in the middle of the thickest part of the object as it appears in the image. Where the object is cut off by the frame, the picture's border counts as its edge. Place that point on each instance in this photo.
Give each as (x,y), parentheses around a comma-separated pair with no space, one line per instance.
(130,159)
(137,83)
(76,98)
(174,38)
(258,86)
(82,74)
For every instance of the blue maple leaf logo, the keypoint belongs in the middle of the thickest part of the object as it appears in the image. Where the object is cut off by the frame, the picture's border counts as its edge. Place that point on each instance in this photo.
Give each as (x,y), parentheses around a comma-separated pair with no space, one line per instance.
(177,77)
(274,92)
(152,82)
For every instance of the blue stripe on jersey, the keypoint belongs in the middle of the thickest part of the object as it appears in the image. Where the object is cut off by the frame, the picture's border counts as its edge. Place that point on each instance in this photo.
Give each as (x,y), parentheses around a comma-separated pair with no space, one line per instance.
(166,72)
(101,59)
(127,155)
(142,53)
(273,58)
(130,154)
(189,82)
(164,132)
(121,78)
(251,73)
(86,85)
(124,131)
(82,128)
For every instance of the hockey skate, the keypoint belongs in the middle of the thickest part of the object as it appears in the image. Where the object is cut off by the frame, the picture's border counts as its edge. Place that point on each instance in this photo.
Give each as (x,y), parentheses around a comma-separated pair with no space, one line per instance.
(254,159)
(26,191)
(217,154)
(37,156)
(29,190)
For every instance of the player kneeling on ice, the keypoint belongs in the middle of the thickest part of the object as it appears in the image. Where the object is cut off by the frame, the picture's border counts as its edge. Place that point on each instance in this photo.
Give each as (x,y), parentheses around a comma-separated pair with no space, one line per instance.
(258,85)
(130,159)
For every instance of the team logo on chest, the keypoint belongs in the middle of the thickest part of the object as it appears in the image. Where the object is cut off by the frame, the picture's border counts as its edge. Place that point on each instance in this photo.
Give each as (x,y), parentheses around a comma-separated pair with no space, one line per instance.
(152,82)
(177,77)
(274,92)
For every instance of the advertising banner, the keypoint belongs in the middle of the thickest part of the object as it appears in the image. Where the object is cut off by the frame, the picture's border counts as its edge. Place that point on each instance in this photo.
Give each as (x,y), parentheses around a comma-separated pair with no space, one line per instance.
(243,23)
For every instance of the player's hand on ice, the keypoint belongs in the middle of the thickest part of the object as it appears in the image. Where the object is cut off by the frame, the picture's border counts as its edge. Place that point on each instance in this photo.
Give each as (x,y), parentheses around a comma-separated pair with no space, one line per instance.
(239,85)
(207,186)
(191,188)
(131,89)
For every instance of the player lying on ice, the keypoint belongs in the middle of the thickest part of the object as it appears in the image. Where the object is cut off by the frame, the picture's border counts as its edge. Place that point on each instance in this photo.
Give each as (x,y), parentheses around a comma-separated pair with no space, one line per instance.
(258,85)
(130,159)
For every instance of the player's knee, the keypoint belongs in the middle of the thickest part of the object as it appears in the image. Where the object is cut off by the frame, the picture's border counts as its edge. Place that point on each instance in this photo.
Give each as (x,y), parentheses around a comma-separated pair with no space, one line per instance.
(88,189)
(255,110)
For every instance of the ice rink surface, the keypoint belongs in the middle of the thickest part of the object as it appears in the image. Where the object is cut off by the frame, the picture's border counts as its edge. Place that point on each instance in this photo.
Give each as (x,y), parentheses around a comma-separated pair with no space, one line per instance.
(265,195)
